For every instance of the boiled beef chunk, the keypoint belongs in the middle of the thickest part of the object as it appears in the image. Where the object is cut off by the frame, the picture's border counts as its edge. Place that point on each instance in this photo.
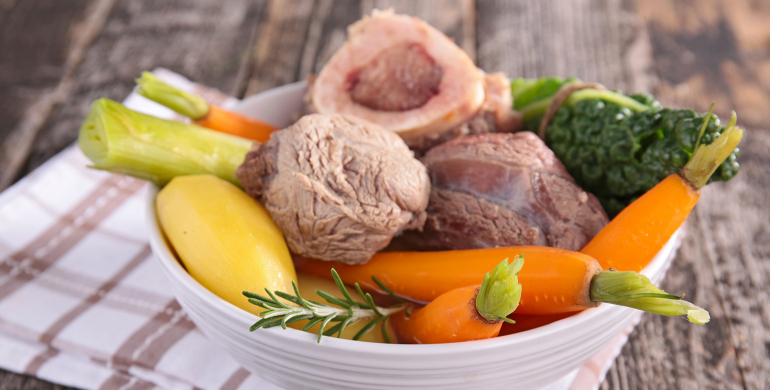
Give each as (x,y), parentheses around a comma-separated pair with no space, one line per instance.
(401,73)
(493,190)
(339,187)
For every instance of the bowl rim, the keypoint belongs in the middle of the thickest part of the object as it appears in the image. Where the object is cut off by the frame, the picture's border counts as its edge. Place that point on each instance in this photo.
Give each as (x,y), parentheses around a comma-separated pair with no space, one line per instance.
(162,252)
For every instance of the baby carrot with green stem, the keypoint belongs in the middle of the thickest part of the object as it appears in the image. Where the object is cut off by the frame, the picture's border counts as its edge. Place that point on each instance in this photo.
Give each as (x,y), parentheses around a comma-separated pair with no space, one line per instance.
(631,240)
(201,112)
(465,313)
(555,280)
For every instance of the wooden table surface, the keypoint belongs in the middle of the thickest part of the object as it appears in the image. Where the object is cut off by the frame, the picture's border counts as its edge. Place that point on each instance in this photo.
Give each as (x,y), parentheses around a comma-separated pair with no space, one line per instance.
(56,57)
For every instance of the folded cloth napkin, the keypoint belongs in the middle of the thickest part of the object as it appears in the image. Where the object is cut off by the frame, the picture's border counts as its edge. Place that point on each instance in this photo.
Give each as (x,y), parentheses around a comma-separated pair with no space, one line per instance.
(83,302)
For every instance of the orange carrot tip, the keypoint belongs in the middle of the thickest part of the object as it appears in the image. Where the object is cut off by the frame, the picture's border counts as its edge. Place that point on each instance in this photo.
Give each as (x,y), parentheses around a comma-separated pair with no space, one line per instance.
(452,317)
(183,103)
(630,289)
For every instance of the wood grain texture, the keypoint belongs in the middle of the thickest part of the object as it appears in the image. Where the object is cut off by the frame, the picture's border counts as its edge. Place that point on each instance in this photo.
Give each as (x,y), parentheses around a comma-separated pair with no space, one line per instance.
(278,51)
(204,40)
(597,41)
(713,51)
(37,71)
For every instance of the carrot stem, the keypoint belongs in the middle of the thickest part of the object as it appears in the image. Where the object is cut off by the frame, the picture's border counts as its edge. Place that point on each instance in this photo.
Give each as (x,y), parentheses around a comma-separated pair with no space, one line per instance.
(183,103)
(630,289)
(500,291)
(706,158)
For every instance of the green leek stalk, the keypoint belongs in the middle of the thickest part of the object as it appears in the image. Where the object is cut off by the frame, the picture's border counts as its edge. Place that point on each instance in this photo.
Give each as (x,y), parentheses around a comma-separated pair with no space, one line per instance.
(120,140)
(628,288)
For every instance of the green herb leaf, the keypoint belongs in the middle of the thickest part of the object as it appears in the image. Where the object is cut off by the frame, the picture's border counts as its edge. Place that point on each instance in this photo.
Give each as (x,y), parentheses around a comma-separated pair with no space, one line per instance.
(344,312)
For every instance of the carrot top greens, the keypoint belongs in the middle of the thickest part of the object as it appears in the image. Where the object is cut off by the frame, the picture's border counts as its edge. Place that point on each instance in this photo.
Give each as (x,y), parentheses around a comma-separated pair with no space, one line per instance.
(500,292)
(183,103)
(628,288)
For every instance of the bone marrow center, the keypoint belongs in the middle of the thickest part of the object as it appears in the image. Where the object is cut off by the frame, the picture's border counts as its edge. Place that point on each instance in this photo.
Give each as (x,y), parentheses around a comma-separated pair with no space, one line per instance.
(402,77)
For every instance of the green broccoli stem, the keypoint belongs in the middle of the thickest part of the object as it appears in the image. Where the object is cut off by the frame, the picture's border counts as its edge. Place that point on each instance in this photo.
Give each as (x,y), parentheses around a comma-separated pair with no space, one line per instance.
(500,292)
(630,289)
(538,108)
(183,103)
(535,110)
(120,140)
(706,158)
(608,96)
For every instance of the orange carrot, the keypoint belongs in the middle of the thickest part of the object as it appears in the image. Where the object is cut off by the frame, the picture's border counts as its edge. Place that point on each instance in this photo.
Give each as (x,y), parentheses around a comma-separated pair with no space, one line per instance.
(466,313)
(554,280)
(631,240)
(557,280)
(201,112)
(219,119)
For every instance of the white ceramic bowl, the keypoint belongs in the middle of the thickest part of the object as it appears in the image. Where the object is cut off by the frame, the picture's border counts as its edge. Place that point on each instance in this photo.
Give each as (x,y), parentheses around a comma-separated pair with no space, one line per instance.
(293,359)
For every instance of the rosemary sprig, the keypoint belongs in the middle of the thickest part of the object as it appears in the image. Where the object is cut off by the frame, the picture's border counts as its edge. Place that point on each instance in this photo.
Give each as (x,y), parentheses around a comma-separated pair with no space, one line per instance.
(348,311)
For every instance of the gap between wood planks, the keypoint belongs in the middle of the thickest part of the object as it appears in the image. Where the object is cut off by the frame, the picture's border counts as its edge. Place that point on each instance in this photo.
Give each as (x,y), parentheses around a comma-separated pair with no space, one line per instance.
(17,147)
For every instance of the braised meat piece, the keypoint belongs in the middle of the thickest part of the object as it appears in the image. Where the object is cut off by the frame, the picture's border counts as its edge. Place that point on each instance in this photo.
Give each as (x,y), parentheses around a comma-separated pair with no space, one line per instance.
(339,187)
(401,73)
(503,189)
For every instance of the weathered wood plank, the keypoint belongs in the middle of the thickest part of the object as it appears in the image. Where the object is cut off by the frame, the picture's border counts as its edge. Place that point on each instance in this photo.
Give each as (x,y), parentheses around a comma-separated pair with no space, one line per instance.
(41,44)
(328,32)
(279,48)
(734,223)
(205,40)
(5,7)
(11,381)
(598,41)
(713,51)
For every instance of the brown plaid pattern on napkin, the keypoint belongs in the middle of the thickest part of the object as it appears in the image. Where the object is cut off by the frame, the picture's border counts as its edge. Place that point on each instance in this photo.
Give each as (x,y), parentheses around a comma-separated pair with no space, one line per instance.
(82,301)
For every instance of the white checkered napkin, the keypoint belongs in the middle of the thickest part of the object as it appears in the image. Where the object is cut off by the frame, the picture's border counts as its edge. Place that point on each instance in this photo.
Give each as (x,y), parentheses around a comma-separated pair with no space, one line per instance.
(84,304)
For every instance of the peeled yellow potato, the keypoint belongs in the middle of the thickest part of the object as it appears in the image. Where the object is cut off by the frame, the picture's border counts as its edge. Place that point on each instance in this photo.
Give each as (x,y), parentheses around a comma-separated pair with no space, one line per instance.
(225,239)
(307,286)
